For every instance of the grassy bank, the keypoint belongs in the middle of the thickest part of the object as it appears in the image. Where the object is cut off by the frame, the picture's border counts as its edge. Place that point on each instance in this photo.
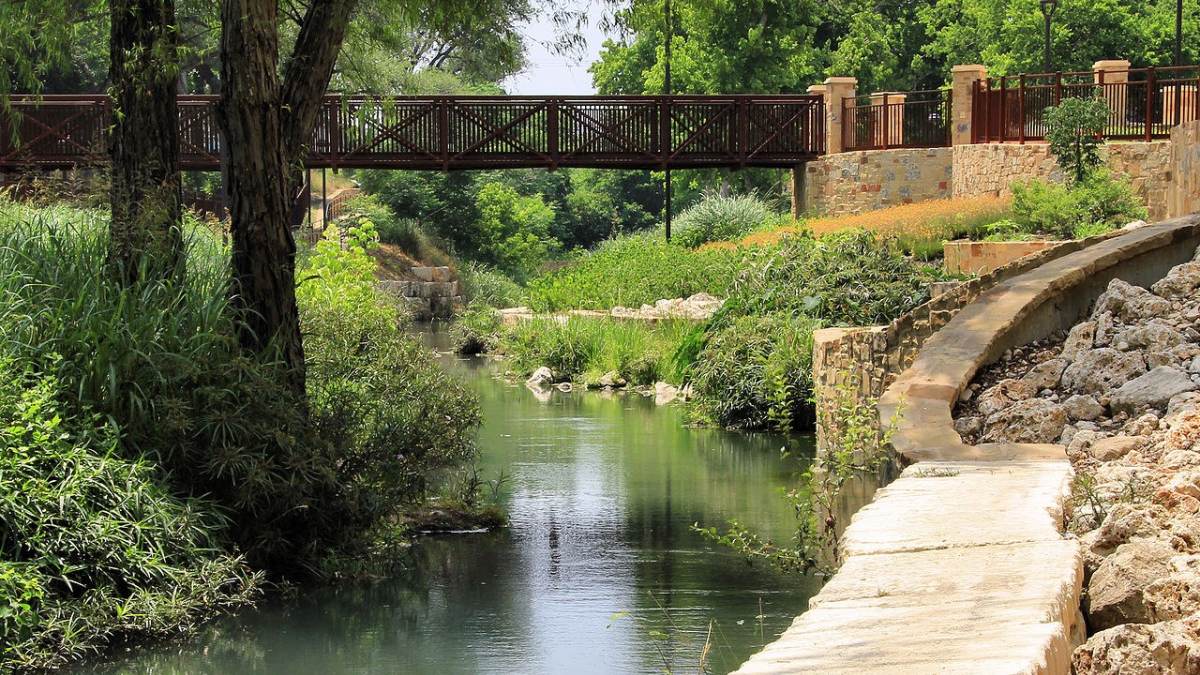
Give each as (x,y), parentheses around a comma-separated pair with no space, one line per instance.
(154,474)
(750,365)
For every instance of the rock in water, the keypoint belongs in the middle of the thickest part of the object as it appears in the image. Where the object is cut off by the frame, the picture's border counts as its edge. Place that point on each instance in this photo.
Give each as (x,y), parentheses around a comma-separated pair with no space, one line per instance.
(1102,370)
(1151,390)
(541,379)
(664,393)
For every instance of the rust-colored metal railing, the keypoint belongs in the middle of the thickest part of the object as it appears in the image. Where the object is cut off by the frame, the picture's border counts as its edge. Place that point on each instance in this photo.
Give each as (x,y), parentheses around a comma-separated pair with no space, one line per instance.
(1144,103)
(462,132)
(915,119)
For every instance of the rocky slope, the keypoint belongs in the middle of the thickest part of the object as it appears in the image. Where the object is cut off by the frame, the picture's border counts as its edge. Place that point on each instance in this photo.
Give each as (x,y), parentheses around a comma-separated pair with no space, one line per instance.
(1121,392)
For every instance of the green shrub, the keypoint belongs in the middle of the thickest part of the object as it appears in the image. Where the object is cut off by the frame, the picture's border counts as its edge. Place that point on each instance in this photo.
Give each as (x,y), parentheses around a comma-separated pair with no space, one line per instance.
(1095,203)
(634,270)
(756,372)
(584,348)
(91,545)
(161,361)
(475,331)
(846,278)
(720,218)
(488,286)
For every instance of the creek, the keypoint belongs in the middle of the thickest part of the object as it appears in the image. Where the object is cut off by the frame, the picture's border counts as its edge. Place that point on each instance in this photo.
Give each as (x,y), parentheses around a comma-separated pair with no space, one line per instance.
(598,572)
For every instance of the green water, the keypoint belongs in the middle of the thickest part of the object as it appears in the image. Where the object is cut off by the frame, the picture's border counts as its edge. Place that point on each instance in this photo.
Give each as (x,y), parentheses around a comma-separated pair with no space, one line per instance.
(598,573)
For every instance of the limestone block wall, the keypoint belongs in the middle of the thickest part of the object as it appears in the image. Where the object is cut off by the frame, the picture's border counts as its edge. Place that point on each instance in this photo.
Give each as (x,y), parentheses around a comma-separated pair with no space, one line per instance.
(854,182)
(433,294)
(992,168)
(862,362)
(1183,195)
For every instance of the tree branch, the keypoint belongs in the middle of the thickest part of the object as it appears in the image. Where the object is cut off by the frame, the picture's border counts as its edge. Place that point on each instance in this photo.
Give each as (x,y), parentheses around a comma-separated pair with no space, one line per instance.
(308,71)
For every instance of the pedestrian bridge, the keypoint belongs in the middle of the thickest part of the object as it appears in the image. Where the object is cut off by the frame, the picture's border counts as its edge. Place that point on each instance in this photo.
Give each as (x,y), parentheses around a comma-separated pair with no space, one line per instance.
(449,133)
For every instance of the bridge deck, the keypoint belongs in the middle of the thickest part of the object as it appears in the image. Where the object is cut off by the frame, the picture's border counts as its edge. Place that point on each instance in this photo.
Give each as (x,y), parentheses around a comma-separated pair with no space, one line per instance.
(462,132)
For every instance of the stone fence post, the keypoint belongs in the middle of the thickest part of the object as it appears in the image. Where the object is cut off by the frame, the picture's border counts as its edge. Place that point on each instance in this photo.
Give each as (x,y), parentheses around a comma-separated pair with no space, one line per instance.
(1112,76)
(799,172)
(963,101)
(890,133)
(837,89)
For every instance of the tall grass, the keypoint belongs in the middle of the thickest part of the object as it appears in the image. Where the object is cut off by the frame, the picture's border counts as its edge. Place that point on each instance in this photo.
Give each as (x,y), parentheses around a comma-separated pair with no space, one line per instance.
(153,447)
(919,228)
(585,348)
(631,271)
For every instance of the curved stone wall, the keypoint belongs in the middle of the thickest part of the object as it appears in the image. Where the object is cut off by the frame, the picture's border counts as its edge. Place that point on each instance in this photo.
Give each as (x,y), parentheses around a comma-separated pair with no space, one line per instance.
(959,565)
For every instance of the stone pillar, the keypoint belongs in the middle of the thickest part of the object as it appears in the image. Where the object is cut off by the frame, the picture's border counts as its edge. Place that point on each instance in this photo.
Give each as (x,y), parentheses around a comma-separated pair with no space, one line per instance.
(1113,77)
(891,132)
(1187,103)
(963,101)
(837,89)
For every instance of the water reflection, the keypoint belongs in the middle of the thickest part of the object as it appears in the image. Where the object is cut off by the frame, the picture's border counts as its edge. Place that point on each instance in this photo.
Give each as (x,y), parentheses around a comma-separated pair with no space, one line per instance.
(598,573)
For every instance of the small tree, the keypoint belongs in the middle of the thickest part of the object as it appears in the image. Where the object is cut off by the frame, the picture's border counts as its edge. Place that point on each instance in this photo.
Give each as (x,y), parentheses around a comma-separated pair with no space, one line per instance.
(1075,129)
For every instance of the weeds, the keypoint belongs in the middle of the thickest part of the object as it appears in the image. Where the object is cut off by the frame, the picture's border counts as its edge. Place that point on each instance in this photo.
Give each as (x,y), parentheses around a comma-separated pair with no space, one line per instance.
(861,449)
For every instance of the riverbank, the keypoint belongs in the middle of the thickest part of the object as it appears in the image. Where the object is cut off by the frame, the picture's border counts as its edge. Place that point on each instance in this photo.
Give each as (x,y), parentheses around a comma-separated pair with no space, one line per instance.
(749,365)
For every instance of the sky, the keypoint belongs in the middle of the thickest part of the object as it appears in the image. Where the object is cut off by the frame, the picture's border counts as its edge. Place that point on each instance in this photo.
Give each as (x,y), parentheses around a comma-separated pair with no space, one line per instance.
(550,73)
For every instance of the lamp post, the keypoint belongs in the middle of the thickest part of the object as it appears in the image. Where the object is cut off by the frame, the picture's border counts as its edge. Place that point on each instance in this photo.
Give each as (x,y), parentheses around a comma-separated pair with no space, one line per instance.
(1048,7)
(670,31)
(1179,32)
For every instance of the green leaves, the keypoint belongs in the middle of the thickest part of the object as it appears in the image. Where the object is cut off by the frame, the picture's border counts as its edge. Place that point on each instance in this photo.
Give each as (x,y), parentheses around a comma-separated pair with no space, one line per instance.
(1075,130)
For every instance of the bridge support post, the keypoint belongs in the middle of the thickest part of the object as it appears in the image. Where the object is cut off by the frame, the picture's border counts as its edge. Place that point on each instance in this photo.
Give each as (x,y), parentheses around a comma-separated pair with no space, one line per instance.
(799,190)
(837,89)
(962,101)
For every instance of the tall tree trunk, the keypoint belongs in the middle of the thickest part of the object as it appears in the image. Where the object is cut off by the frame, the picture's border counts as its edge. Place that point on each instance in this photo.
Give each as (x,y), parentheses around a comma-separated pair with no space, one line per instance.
(251,117)
(146,209)
(266,125)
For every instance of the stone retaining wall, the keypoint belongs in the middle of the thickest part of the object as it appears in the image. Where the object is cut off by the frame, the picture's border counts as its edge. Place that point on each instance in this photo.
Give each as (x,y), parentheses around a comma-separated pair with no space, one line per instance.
(870,358)
(853,182)
(959,565)
(992,168)
(981,257)
(432,295)
(1183,195)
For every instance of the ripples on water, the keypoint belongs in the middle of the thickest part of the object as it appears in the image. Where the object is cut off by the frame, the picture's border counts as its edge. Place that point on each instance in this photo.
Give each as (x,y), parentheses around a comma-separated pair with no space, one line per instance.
(598,573)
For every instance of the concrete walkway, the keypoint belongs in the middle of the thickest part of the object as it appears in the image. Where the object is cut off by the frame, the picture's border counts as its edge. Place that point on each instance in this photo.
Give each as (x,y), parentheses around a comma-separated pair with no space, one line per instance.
(992,589)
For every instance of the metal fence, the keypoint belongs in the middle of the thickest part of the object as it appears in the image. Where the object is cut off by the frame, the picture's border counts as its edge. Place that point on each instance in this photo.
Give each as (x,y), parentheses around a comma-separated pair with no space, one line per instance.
(915,119)
(1144,103)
